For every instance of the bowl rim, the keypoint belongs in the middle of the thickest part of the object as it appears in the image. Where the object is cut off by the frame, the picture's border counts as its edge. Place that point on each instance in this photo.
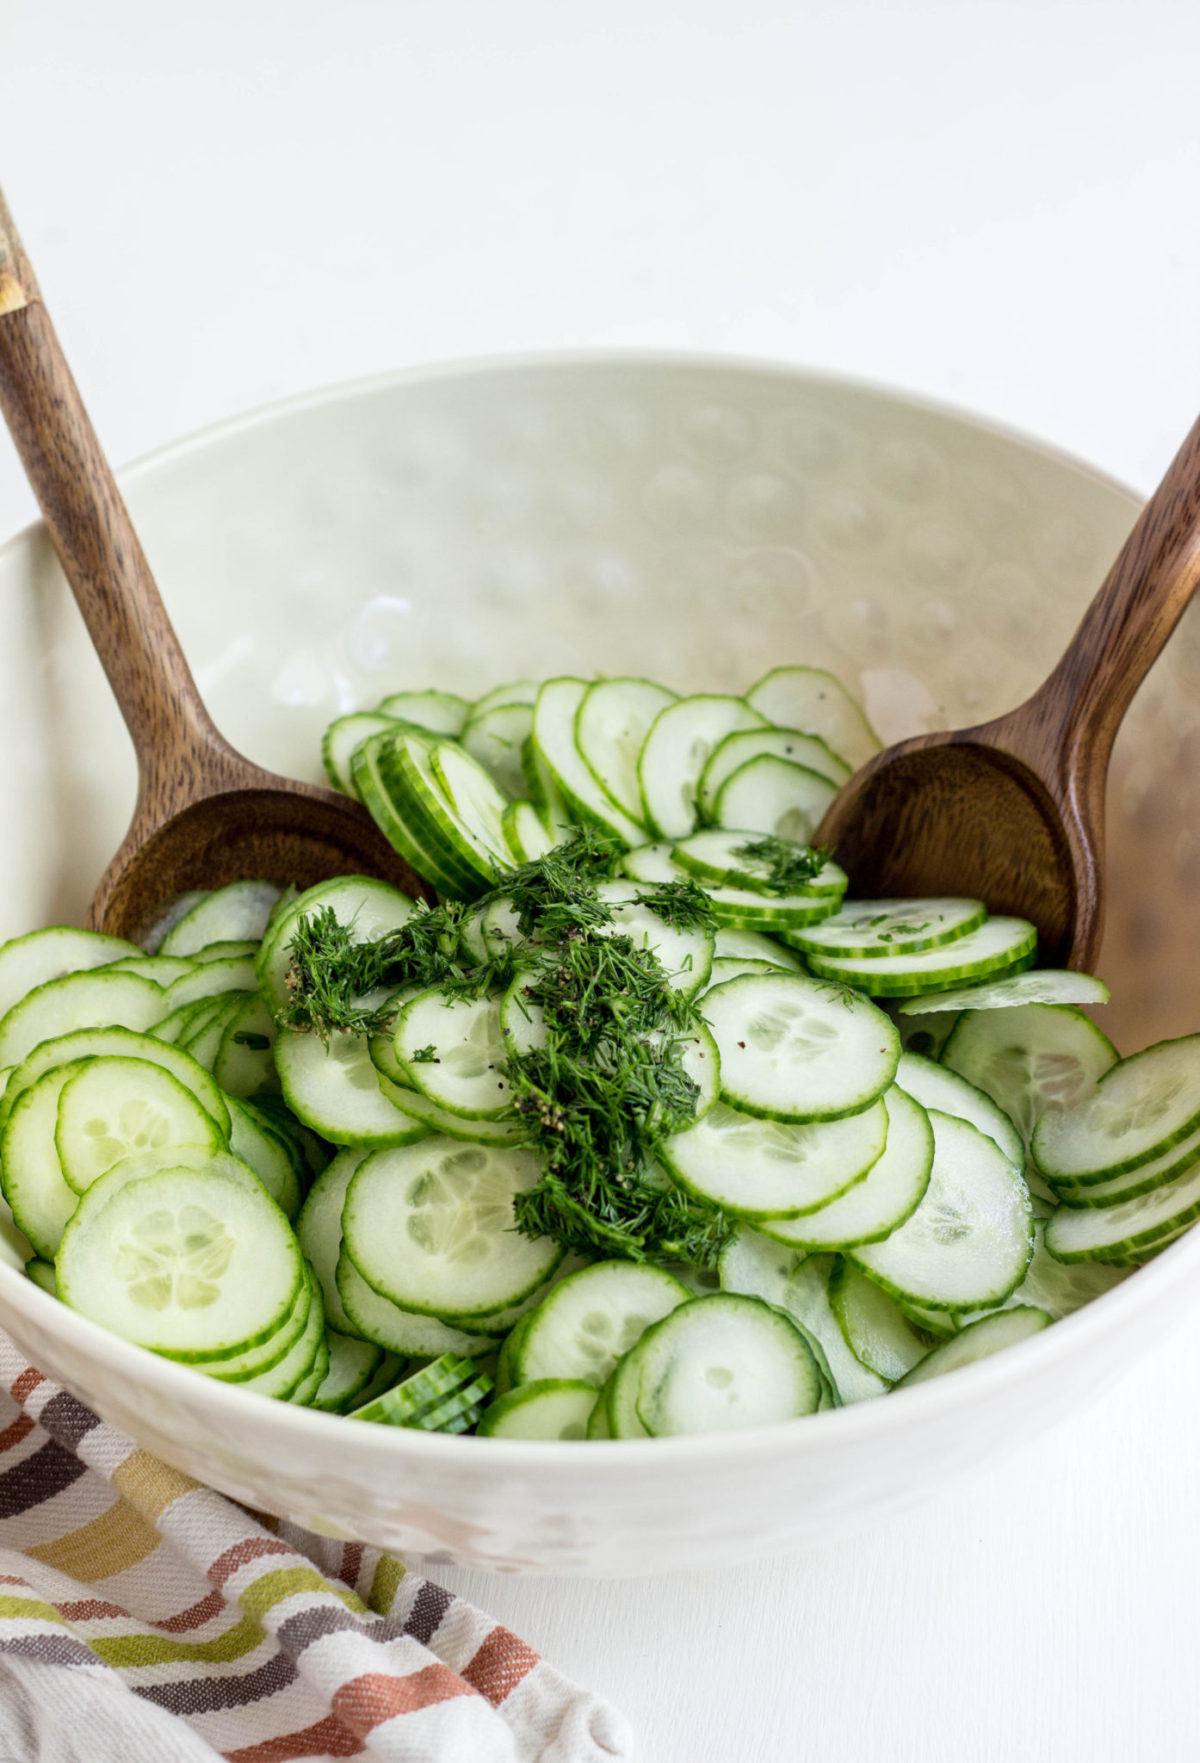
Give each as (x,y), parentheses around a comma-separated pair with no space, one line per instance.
(180,1383)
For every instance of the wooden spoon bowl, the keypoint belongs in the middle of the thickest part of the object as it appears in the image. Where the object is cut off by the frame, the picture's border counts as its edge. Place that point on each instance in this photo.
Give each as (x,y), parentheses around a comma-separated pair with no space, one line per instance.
(205,815)
(1012,811)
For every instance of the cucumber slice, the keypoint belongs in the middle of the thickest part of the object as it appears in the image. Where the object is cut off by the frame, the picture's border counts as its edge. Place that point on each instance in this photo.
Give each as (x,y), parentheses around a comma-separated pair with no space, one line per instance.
(925,1034)
(118,1043)
(168,917)
(399,818)
(303,1394)
(442,712)
(368,908)
(407,1332)
(752,1264)
(187,1261)
(97,999)
(203,1034)
(237,913)
(611,725)
(335,1090)
(544,793)
(463,840)
(554,738)
(288,1377)
(811,699)
(164,970)
(592,1319)
(1141,1107)
(807,1302)
(723,970)
(774,796)
(889,1194)
(619,1399)
(477,805)
(675,753)
(737,749)
(319,1233)
(425,1113)
(597,1426)
(1001,945)
(40,1199)
(1031,1060)
(111,1109)
(794,1049)
(231,951)
(42,955)
(733,908)
(551,1408)
(172,1029)
(722,1363)
(992,1334)
(525,832)
(342,739)
(1103,1233)
(520,691)
(878,1334)
(937,1086)
(465,1068)
(420,1392)
(867,929)
(1055,1287)
(352,1365)
(718,856)
(1107,1190)
(209,979)
(267,1153)
(751,945)
(241,1367)
(431,1228)
(1046,986)
(967,1245)
(684,955)
(312,1152)
(245,1058)
(759,1169)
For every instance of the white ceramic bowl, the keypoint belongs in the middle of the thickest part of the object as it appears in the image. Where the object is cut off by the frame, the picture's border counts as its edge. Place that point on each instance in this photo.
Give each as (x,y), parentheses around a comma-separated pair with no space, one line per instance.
(698,521)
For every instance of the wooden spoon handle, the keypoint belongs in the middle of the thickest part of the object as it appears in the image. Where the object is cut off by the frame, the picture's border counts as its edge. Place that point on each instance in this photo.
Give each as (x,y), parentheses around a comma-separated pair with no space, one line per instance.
(94,537)
(1072,720)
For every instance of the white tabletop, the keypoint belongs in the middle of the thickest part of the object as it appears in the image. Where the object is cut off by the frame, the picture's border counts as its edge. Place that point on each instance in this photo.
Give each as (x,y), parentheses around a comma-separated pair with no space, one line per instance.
(992,202)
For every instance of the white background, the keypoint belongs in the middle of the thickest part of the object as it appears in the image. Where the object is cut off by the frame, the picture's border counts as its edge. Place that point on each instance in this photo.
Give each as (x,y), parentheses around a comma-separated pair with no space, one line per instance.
(993,203)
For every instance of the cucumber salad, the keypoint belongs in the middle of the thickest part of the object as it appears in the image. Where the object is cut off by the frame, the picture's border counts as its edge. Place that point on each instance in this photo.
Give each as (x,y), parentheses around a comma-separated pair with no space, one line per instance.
(648,1128)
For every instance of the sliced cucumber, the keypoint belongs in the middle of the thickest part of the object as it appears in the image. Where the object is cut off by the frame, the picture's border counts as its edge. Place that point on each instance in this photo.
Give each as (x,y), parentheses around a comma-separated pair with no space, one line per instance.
(751,945)
(442,712)
(722,1363)
(244,1063)
(1055,1287)
(299,1323)
(774,796)
(592,1319)
(519,691)
(727,969)
(794,1049)
(937,1086)
(611,725)
(1001,945)
(118,1043)
(42,1274)
(378,780)
(231,951)
(431,1228)
(760,1169)
(96,999)
(454,1051)
(237,913)
(992,1334)
(525,832)
(342,739)
(926,1033)
(335,1090)
(545,794)
(267,1153)
(110,1109)
(1141,1107)
(807,1301)
(737,749)
(419,1392)
(889,1194)
(967,1245)
(352,1365)
(552,1408)
(878,1334)
(867,929)
(187,1261)
(407,1332)
(685,955)
(369,909)
(164,970)
(757,1267)
(1107,1190)
(1031,1060)
(319,1233)
(34,1186)
(675,753)
(42,955)
(1103,1233)
(811,699)
(733,908)
(585,798)
(1045,986)
(202,1036)
(720,856)
(422,1111)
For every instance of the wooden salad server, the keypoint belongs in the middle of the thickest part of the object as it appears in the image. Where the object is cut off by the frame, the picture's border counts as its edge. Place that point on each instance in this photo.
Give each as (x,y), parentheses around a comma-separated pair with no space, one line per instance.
(204,814)
(1012,811)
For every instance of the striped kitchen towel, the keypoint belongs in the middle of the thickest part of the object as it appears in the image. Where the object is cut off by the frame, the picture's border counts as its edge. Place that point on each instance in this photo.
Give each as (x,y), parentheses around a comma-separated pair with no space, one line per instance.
(146,1619)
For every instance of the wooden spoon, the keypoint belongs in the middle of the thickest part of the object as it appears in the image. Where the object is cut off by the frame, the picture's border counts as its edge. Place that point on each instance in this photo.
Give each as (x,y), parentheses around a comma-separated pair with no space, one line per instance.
(204,814)
(1012,811)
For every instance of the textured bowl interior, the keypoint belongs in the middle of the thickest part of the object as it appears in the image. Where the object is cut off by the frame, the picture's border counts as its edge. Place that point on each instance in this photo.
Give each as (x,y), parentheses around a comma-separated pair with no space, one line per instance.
(694,521)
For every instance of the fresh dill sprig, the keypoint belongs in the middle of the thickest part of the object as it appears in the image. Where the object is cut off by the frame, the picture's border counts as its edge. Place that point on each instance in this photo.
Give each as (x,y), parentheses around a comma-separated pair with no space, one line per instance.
(788,865)
(608,1086)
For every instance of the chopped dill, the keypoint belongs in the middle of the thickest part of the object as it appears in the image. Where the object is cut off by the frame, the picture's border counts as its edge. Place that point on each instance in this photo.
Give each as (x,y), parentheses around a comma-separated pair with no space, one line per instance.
(788,866)
(608,1086)
(424,1055)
